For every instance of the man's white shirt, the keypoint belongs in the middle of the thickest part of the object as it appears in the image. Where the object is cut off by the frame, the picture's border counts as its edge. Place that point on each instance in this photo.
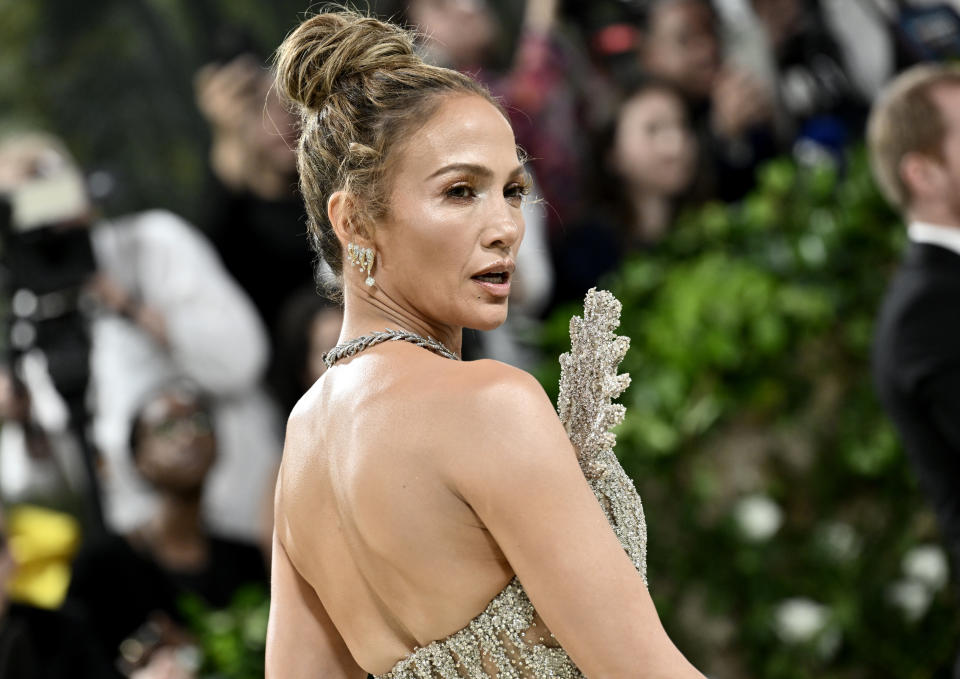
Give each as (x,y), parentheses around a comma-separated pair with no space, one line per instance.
(934,234)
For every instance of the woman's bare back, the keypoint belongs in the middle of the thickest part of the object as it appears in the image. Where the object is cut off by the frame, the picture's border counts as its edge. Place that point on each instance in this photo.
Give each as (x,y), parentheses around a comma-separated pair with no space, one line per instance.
(365,511)
(395,469)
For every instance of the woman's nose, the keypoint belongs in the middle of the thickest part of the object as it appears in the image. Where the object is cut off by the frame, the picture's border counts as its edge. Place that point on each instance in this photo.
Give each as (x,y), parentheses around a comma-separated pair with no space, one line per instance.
(505,230)
(673,141)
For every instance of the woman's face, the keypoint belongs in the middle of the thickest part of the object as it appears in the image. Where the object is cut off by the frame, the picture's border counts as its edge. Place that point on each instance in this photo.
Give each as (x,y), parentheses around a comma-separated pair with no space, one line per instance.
(682,46)
(654,148)
(446,250)
(459,32)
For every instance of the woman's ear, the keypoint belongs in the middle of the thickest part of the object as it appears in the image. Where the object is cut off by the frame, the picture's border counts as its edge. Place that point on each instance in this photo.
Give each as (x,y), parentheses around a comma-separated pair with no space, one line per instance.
(346,219)
(340,208)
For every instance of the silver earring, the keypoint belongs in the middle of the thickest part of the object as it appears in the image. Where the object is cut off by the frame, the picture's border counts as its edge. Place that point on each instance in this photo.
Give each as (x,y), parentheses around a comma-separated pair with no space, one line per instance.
(362,258)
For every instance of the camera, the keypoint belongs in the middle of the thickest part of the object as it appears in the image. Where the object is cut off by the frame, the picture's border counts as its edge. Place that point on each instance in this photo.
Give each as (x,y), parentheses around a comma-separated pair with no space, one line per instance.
(46,259)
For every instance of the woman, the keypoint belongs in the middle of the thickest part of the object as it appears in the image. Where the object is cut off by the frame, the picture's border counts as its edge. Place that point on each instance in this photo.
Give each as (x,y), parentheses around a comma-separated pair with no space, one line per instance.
(651,153)
(417,491)
(646,162)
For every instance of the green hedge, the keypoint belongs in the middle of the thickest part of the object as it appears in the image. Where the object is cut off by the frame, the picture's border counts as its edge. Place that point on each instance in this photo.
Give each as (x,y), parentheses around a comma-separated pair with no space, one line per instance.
(787,536)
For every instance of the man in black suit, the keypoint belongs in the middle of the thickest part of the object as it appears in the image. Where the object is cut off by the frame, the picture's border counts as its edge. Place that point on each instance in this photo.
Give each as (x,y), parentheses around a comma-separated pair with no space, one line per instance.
(914,140)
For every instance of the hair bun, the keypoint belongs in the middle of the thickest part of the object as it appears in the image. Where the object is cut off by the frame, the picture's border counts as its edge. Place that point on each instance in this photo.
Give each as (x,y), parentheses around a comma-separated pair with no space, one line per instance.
(331,51)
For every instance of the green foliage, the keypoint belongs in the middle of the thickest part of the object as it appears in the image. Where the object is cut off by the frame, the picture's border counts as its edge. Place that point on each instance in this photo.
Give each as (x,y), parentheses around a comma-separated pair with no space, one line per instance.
(231,640)
(752,401)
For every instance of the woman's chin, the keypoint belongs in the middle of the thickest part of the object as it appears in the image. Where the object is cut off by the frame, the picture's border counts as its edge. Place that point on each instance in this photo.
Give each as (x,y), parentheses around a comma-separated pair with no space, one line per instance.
(490,319)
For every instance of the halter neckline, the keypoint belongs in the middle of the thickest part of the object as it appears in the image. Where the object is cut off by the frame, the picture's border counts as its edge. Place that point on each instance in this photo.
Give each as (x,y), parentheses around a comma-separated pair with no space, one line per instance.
(357,344)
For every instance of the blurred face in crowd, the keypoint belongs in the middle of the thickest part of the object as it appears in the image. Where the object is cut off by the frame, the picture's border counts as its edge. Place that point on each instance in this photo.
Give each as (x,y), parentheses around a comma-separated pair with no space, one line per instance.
(654,149)
(176,447)
(43,182)
(459,32)
(448,244)
(29,157)
(681,45)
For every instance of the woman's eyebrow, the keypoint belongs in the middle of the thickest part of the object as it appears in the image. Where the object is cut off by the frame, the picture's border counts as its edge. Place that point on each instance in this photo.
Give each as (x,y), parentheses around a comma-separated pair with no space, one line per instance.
(471,168)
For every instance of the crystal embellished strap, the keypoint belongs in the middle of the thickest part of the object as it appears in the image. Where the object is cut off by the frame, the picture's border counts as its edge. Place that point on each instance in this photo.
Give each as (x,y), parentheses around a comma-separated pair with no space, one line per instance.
(358,344)
(589,380)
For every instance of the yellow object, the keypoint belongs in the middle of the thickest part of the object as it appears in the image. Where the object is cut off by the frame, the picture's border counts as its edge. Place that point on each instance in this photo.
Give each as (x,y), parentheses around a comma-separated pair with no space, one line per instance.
(42,542)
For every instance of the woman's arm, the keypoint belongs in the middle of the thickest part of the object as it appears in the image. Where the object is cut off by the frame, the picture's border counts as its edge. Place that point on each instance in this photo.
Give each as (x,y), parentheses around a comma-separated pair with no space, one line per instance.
(301,640)
(519,473)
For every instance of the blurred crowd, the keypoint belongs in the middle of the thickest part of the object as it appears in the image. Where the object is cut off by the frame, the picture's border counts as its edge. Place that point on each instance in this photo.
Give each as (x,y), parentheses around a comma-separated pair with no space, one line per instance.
(151,361)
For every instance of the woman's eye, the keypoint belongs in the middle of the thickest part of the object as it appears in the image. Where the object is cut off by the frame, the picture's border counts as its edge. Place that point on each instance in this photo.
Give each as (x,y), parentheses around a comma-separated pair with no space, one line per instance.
(516,191)
(460,191)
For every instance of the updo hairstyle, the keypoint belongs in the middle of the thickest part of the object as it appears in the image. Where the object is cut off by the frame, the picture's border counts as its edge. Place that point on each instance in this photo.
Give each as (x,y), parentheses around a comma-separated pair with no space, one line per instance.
(360,89)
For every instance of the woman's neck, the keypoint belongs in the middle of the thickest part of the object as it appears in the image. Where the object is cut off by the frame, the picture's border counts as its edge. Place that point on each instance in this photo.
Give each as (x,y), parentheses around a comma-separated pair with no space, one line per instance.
(651,216)
(364,313)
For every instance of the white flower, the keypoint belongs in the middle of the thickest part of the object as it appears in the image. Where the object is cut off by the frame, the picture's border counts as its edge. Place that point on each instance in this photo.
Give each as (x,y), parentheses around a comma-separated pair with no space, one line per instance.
(758,517)
(798,620)
(840,540)
(927,564)
(911,596)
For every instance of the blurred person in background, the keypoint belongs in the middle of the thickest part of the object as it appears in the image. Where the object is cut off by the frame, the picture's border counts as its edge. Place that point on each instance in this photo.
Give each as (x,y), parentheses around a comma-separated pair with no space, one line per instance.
(121,582)
(253,213)
(646,161)
(732,109)
(308,326)
(817,96)
(458,34)
(914,143)
(39,461)
(165,307)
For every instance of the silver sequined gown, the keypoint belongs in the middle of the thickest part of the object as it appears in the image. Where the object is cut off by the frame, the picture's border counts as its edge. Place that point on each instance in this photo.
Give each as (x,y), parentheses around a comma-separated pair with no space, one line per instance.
(508,640)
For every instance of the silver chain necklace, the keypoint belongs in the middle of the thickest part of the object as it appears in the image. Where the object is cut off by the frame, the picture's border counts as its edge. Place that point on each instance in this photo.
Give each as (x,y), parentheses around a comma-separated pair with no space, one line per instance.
(358,344)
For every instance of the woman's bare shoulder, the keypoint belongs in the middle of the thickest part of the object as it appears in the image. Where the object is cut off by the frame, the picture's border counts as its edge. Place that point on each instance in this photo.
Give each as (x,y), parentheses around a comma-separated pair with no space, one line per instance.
(502,410)
(304,442)
(489,391)
(303,418)
(446,410)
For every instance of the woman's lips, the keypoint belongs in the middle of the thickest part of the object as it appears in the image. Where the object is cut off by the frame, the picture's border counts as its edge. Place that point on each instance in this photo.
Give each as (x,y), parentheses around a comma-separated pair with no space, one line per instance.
(495,288)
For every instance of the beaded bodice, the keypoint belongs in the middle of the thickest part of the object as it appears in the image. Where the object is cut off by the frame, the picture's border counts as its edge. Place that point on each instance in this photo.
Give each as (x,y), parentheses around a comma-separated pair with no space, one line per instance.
(508,639)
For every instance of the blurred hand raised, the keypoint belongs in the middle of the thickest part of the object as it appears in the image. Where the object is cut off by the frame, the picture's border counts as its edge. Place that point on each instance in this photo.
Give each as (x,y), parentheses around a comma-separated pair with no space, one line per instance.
(740,101)
(226,92)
